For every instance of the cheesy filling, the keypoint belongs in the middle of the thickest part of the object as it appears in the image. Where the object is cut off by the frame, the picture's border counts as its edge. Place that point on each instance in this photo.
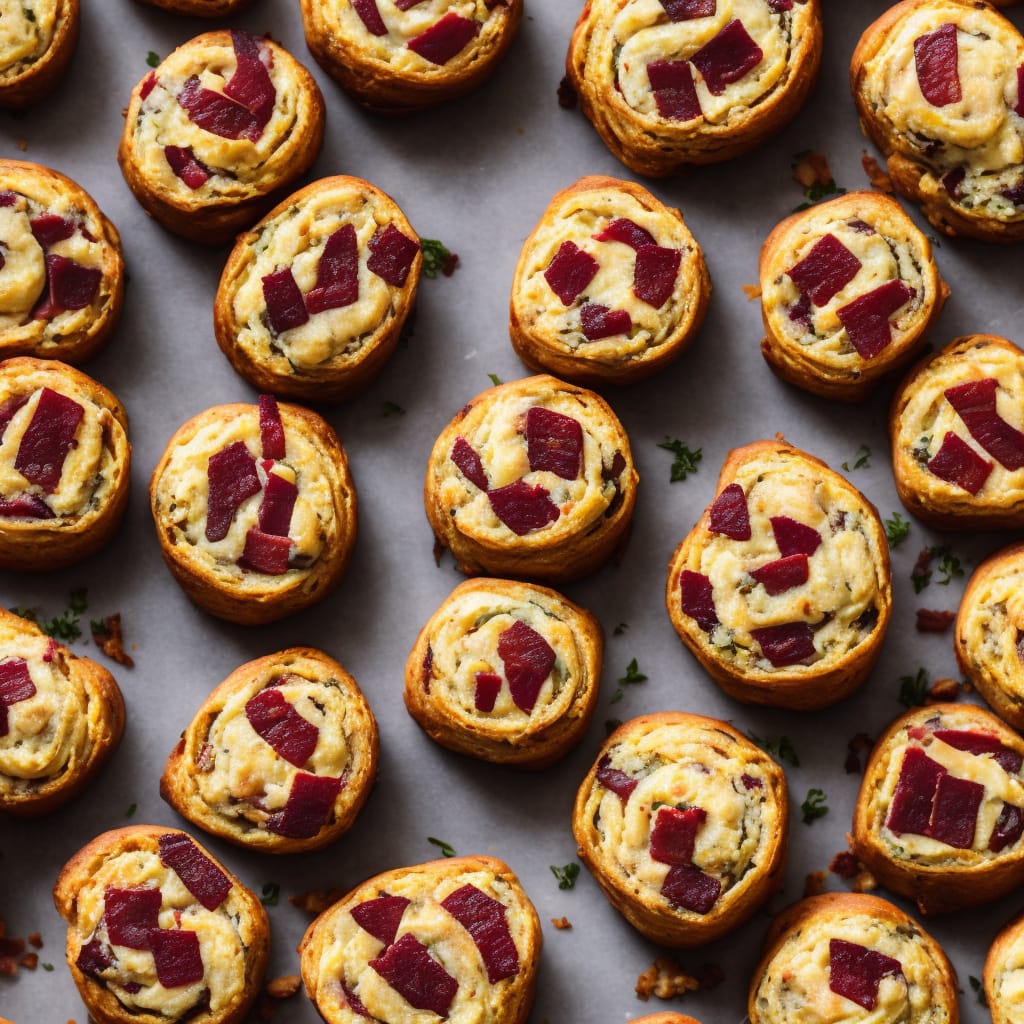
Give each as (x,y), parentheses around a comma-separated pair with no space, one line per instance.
(26,32)
(1007,994)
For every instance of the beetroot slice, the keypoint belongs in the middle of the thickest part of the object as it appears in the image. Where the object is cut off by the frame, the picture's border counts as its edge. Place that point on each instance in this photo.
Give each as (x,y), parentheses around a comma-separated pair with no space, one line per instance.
(654,277)
(266,553)
(621,784)
(251,84)
(15,681)
(48,438)
(727,58)
(788,644)
(277,723)
(69,286)
(218,114)
(800,311)
(570,271)
(958,463)
(148,85)
(369,14)
(955,812)
(416,976)
(392,255)
(1008,828)
(749,782)
(337,273)
(8,198)
(185,166)
(780,5)
(131,915)
(177,957)
(729,515)
(935,58)
(911,807)
(825,270)
(25,506)
(271,428)
(980,744)
(685,10)
(952,180)
(231,478)
(488,686)
(783,574)
(675,833)
(675,94)
(355,1004)
(686,887)
(484,918)
(381,916)
(601,322)
(855,971)
(698,599)
(528,660)
(1019,108)
(285,306)
(50,228)
(197,872)
(445,38)
(94,957)
(465,457)
(793,538)
(522,507)
(308,808)
(622,229)
(866,319)
(279,497)
(975,403)
(404,5)
(554,443)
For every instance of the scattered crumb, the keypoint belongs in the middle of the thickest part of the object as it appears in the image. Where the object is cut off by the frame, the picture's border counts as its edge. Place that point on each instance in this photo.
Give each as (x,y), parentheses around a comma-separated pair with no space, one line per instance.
(283,987)
(845,865)
(109,639)
(665,979)
(752,291)
(561,923)
(30,961)
(878,178)
(859,744)
(22,144)
(814,883)
(931,621)
(316,900)
(450,264)
(865,882)
(567,97)
(811,169)
(35,940)
(943,690)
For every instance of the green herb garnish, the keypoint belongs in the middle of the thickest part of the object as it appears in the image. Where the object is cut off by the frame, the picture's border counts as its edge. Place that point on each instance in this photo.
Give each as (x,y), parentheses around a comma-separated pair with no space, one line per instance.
(979,990)
(949,565)
(271,891)
(685,461)
(391,409)
(620,629)
(897,530)
(920,450)
(566,875)
(780,750)
(814,806)
(49,967)
(495,379)
(446,850)
(861,461)
(914,689)
(152,59)
(131,810)
(436,256)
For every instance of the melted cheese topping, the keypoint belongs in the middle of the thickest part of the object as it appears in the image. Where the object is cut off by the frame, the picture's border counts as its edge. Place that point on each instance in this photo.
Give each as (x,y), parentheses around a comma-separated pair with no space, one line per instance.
(1006,994)
(981,132)
(26,31)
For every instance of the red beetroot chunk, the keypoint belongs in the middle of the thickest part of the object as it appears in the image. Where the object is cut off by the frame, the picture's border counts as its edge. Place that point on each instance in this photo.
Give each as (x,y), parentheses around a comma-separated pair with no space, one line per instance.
(686,887)
(369,13)
(50,228)
(675,833)
(148,85)
(793,538)
(749,782)
(911,807)
(404,5)
(675,94)
(980,744)
(251,84)
(570,271)
(952,180)
(69,286)
(484,918)
(686,10)
(445,38)
(825,270)
(621,784)
(285,306)
(958,463)
(94,957)
(729,515)
(381,917)
(465,457)
(800,311)
(1008,828)
(308,808)
(975,403)
(218,114)
(416,976)
(131,915)
(601,322)
(866,319)
(48,438)
(554,443)
(265,553)
(1019,108)
(337,273)
(622,229)
(488,686)
(522,507)
(780,5)
(277,723)
(788,644)
(279,497)
(727,57)
(177,958)
(25,506)
(654,277)
(271,428)
(231,478)
(935,59)
(698,599)
(197,872)
(185,166)
(855,971)
(528,660)
(783,574)
(15,685)
(955,813)
(392,255)
(8,198)
(355,1004)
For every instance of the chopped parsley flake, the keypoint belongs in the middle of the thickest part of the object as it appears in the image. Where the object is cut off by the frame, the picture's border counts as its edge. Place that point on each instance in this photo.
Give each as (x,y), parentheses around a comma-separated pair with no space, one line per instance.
(152,59)
(495,379)
(862,459)
(566,875)
(814,806)
(897,530)
(914,689)
(271,891)
(685,461)
(781,749)
(445,848)
(437,258)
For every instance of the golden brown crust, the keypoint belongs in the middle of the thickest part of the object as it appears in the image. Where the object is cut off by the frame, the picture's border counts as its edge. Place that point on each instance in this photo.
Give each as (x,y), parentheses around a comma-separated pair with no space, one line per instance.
(544,347)
(44,74)
(664,1018)
(1003,964)
(201,8)
(353,721)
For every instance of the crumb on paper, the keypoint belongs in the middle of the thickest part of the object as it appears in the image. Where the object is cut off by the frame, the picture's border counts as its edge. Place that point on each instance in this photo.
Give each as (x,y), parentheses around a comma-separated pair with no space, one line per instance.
(814,883)
(752,291)
(931,621)
(665,979)
(845,865)
(567,98)
(35,940)
(943,690)
(22,144)
(107,635)
(283,987)
(561,923)
(877,177)
(811,168)
(865,881)
(316,901)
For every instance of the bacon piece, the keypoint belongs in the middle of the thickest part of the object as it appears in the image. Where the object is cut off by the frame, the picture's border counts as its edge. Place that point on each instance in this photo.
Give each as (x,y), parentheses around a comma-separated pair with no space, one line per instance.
(408,967)
(689,888)
(445,38)
(185,166)
(855,972)
(522,507)
(621,784)
(251,84)
(369,14)
(277,723)
(570,271)
(675,833)
(381,916)
(48,438)
(793,538)
(866,319)
(465,457)
(484,918)
(825,270)
(528,660)
(176,956)
(231,479)
(271,428)
(958,463)
(218,114)
(727,57)
(266,553)
(788,644)
(94,957)
(337,273)
(488,686)
(197,872)
(392,255)
(25,506)
(935,58)
(308,808)
(69,286)
(279,497)
(601,322)
(131,915)
(285,306)
(981,744)
(50,228)
(654,277)
(955,813)
(911,807)
(783,574)
(975,403)
(622,229)
(729,515)
(1007,829)
(675,94)
(687,10)
(698,599)
(554,443)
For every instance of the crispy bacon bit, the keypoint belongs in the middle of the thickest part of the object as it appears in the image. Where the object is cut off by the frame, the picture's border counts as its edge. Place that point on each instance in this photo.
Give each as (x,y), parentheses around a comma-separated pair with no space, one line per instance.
(729,515)
(698,599)
(621,784)
(309,806)
(624,230)
(561,923)
(866,319)
(69,286)
(108,637)
(675,833)
(570,271)
(391,255)
(488,686)
(877,178)
(980,744)
(48,438)
(1008,828)
(218,114)
(231,479)
(935,58)
(370,16)
(666,980)
(859,743)
(788,644)
(727,57)
(567,98)
(783,574)
(337,273)
(131,915)
(185,166)
(271,428)
(975,403)
(278,724)
(686,10)
(50,228)
(601,322)
(687,887)
(198,873)
(855,971)
(177,958)
(911,807)
(654,277)
(465,457)
(381,917)
(955,813)
(484,918)
(408,967)
(279,497)
(845,865)
(675,94)
(528,660)
(285,306)
(825,270)
(94,957)
(445,38)
(958,463)
(554,442)
(931,621)
(266,553)
(251,84)
(793,538)
(522,507)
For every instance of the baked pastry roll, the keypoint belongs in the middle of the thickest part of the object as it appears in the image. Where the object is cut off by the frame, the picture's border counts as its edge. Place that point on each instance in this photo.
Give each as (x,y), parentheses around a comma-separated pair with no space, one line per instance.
(669,83)
(506,672)
(61,717)
(215,135)
(957,446)
(849,289)
(36,47)
(682,821)
(783,591)
(455,938)
(201,8)
(64,464)
(159,931)
(281,756)
(941,808)
(399,56)
(664,1018)
(938,88)
(313,299)
(61,271)
(610,285)
(255,510)
(1003,977)
(533,478)
(851,957)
